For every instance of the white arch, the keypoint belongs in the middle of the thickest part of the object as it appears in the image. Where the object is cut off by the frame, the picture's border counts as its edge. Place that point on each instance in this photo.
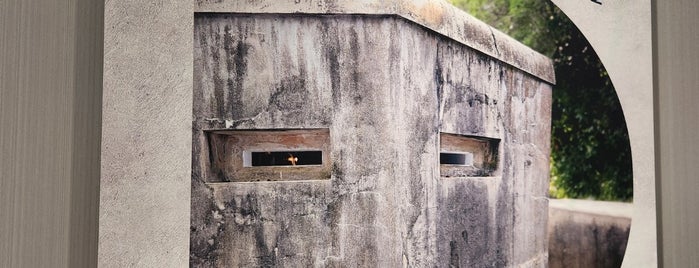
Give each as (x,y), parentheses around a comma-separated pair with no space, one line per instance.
(620,33)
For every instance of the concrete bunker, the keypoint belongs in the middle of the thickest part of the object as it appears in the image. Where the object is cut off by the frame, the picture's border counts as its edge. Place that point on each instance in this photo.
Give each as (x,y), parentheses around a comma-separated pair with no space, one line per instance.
(433,139)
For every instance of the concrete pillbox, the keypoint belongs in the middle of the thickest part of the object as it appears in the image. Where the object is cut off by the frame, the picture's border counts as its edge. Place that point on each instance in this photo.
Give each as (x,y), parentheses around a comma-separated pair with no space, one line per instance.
(391,94)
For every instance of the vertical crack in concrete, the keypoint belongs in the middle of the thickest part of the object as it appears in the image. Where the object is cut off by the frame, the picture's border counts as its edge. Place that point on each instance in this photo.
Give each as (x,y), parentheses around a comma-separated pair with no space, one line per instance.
(439,81)
(495,41)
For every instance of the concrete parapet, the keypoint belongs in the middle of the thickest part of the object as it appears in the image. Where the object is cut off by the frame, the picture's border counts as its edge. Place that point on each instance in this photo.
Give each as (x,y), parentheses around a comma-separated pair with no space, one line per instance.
(585,233)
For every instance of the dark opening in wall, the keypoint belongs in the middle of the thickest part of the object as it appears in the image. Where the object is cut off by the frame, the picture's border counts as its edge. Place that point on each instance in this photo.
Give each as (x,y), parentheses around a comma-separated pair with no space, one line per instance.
(467,156)
(285,158)
(459,159)
(267,155)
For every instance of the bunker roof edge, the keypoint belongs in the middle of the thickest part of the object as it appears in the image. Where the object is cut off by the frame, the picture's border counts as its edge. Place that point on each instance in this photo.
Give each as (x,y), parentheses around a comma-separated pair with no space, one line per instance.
(436,15)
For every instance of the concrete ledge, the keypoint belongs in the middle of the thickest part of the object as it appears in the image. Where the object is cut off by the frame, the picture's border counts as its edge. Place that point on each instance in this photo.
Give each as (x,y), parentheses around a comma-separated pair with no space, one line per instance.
(436,15)
(602,208)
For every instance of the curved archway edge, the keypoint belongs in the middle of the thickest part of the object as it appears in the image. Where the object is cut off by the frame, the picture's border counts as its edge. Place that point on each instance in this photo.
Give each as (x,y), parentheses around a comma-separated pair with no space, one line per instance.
(621,32)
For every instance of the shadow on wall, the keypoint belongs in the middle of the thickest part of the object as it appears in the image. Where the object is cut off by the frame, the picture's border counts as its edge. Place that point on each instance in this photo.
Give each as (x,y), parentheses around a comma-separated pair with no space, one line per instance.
(585,233)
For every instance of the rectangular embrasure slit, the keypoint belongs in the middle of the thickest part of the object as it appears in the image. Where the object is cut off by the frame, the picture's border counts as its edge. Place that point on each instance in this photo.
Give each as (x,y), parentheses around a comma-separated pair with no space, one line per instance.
(467,156)
(267,155)
(283,158)
(456,158)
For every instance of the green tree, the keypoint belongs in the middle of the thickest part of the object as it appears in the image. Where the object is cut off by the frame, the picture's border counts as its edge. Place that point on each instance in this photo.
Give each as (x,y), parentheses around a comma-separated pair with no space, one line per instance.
(590,156)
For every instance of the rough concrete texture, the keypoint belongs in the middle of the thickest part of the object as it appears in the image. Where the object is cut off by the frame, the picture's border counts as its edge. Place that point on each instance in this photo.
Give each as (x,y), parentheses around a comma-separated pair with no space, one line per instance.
(385,88)
(437,15)
(146,134)
(586,233)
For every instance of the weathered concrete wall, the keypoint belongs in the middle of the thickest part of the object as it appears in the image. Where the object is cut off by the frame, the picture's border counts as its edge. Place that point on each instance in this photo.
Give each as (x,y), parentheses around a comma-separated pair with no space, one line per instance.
(385,88)
(437,15)
(586,233)
(146,134)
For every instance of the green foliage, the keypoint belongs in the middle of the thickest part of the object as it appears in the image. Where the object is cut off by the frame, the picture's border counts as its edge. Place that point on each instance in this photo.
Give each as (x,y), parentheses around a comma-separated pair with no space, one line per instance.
(590,156)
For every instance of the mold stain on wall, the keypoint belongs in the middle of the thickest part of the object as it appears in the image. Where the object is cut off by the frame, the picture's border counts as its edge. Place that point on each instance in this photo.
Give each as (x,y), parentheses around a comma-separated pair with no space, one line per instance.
(384,88)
